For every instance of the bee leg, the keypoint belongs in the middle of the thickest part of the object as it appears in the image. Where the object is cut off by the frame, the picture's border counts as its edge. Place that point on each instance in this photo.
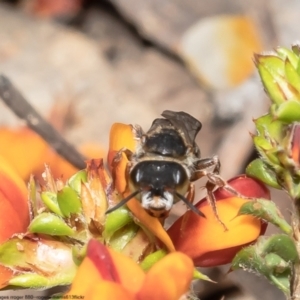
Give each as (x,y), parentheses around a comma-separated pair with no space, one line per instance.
(191,193)
(210,186)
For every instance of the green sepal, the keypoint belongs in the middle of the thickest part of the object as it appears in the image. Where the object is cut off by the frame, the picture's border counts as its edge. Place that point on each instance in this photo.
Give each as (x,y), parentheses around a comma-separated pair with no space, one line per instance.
(32,259)
(50,200)
(48,223)
(292,76)
(271,86)
(272,73)
(116,220)
(271,257)
(68,201)
(287,112)
(198,275)
(152,258)
(123,236)
(266,210)
(75,181)
(29,281)
(285,53)
(266,150)
(269,128)
(79,253)
(282,245)
(260,170)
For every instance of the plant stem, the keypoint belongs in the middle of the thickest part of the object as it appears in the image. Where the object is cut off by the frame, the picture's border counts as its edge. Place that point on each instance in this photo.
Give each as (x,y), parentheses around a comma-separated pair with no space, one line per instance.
(20,106)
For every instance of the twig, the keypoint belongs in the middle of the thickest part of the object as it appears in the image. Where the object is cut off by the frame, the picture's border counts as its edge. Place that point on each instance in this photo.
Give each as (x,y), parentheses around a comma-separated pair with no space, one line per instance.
(19,105)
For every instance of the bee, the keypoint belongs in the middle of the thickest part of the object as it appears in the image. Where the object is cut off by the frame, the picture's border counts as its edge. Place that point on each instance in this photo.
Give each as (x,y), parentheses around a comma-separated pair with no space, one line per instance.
(165,164)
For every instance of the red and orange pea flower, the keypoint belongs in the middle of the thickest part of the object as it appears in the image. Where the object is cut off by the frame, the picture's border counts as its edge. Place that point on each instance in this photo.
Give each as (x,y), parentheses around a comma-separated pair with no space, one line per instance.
(203,240)
(14,210)
(106,274)
(28,153)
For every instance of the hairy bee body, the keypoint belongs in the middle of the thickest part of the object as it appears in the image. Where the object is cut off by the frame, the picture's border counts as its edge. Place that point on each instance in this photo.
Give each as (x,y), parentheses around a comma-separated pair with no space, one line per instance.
(163,164)
(166,162)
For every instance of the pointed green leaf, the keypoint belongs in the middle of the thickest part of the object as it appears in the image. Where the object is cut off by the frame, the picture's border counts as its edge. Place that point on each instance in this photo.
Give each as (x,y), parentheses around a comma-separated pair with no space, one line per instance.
(266,210)
(269,128)
(252,260)
(116,220)
(50,200)
(292,75)
(68,201)
(266,150)
(29,281)
(123,236)
(285,53)
(75,181)
(288,111)
(281,245)
(79,253)
(260,170)
(51,224)
(271,86)
(248,259)
(151,259)
(271,62)
(198,275)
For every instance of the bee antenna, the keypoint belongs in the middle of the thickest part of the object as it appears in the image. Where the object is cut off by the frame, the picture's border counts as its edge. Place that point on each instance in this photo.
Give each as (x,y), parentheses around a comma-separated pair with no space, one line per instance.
(190,205)
(122,202)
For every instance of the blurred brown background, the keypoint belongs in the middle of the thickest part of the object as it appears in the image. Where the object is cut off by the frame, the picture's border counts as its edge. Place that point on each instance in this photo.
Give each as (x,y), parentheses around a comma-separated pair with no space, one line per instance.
(99,62)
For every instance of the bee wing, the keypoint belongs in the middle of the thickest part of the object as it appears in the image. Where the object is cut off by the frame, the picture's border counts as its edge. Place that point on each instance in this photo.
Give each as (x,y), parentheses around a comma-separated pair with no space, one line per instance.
(184,122)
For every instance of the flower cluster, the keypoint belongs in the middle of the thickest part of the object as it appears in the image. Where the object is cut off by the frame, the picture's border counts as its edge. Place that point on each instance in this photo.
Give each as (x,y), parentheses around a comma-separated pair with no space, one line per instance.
(64,222)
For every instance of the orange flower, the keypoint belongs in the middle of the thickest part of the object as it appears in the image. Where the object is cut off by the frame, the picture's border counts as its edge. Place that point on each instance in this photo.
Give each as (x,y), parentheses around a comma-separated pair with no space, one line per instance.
(14,209)
(16,143)
(204,239)
(114,276)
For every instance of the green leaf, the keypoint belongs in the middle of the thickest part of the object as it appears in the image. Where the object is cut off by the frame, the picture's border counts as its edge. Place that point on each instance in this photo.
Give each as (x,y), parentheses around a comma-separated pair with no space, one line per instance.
(269,128)
(288,111)
(266,210)
(38,262)
(260,170)
(50,200)
(287,54)
(271,86)
(116,220)
(51,224)
(29,281)
(249,259)
(271,265)
(198,275)
(75,181)
(151,259)
(68,201)
(79,253)
(123,236)
(292,75)
(282,245)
